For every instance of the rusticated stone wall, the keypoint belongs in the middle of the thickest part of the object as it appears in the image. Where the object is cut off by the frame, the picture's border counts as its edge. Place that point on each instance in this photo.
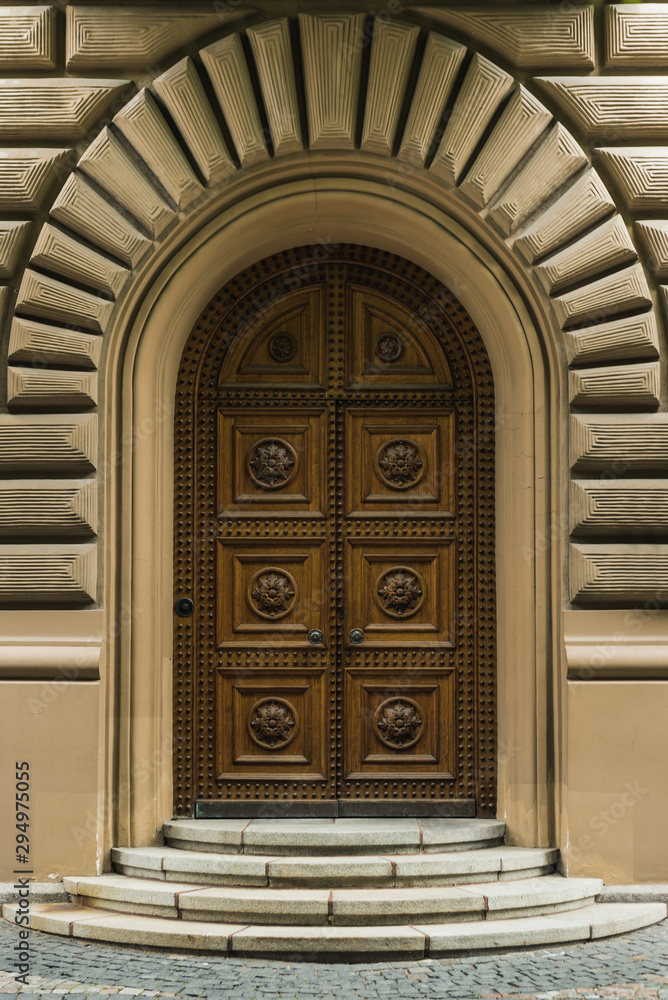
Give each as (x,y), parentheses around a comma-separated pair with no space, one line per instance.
(548,119)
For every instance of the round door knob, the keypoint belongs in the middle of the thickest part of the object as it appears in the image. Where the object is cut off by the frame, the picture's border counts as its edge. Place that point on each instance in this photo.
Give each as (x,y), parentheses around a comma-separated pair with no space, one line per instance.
(356,635)
(315,636)
(184,607)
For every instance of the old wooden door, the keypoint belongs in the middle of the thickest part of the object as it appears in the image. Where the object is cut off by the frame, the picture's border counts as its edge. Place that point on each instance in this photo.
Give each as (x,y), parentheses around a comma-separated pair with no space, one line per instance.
(334,533)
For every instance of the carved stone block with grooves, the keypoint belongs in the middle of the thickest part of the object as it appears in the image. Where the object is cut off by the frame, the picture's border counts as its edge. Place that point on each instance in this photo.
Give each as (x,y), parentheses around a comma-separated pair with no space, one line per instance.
(653,235)
(619,443)
(57,110)
(620,292)
(53,507)
(618,574)
(557,158)
(27,174)
(627,107)
(636,35)
(641,173)
(584,204)
(607,246)
(143,125)
(485,86)
(226,65)
(47,298)
(391,59)
(36,444)
(619,340)
(521,123)
(136,36)
(61,254)
(82,209)
(619,385)
(529,36)
(58,574)
(37,389)
(272,51)
(27,38)
(618,506)
(332,46)
(440,64)
(12,236)
(181,90)
(36,343)
(110,166)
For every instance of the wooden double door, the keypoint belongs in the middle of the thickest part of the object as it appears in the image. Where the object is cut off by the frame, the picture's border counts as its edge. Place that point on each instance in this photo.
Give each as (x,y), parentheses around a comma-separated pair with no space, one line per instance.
(334,532)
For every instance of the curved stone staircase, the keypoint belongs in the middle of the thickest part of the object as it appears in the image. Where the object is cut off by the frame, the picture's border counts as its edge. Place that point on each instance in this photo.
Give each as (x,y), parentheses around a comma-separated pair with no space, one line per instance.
(341,889)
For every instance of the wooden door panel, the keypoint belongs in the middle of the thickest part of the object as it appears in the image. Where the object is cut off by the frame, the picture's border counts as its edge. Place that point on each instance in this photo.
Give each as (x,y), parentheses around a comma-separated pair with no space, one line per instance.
(273,724)
(400,462)
(406,724)
(326,480)
(391,344)
(270,462)
(400,592)
(270,593)
(283,342)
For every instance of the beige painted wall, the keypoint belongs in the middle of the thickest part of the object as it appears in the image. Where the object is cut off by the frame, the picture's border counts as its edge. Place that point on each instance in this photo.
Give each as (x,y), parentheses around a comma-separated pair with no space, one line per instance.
(54,726)
(617,800)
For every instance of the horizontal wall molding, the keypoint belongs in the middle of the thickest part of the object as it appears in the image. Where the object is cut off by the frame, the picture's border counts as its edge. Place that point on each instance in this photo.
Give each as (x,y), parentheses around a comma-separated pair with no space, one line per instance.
(64,664)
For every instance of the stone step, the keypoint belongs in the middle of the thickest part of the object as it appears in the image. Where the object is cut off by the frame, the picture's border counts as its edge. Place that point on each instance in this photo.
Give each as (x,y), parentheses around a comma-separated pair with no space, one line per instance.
(332,836)
(235,904)
(332,871)
(327,942)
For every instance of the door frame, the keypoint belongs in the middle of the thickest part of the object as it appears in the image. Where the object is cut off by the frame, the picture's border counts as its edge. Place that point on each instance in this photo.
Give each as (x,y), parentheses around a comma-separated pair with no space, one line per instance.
(418,221)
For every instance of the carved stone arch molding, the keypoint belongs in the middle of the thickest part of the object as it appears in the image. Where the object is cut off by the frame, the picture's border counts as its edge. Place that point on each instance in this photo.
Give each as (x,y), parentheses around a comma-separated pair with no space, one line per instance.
(446,138)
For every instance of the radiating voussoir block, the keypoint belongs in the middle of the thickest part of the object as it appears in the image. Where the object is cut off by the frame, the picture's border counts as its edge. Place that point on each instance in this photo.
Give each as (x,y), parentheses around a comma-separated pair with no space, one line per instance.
(332,47)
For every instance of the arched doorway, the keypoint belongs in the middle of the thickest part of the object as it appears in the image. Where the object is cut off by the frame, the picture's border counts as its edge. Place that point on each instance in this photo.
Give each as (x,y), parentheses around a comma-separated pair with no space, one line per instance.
(334,469)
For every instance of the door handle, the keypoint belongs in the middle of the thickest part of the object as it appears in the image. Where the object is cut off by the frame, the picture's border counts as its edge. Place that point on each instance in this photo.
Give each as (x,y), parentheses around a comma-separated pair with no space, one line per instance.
(315,636)
(356,635)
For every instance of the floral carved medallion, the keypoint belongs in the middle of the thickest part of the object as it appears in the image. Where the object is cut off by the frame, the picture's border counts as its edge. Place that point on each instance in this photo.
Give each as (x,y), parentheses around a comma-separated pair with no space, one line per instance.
(388,348)
(273,723)
(398,723)
(400,592)
(282,347)
(400,463)
(271,463)
(272,593)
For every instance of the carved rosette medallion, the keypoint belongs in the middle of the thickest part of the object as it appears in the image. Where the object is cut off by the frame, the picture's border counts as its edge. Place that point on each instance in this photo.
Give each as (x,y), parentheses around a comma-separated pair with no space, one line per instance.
(271,463)
(400,592)
(282,347)
(273,723)
(272,593)
(398,723)
(400,464)
(388,348)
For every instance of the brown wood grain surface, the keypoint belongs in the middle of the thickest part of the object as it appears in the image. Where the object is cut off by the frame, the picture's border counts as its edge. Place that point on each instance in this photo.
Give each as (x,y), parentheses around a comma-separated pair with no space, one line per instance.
(334,471)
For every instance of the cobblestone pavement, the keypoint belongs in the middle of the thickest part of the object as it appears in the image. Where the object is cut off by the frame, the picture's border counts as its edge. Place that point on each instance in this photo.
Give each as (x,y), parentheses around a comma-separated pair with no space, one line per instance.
(633,966)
